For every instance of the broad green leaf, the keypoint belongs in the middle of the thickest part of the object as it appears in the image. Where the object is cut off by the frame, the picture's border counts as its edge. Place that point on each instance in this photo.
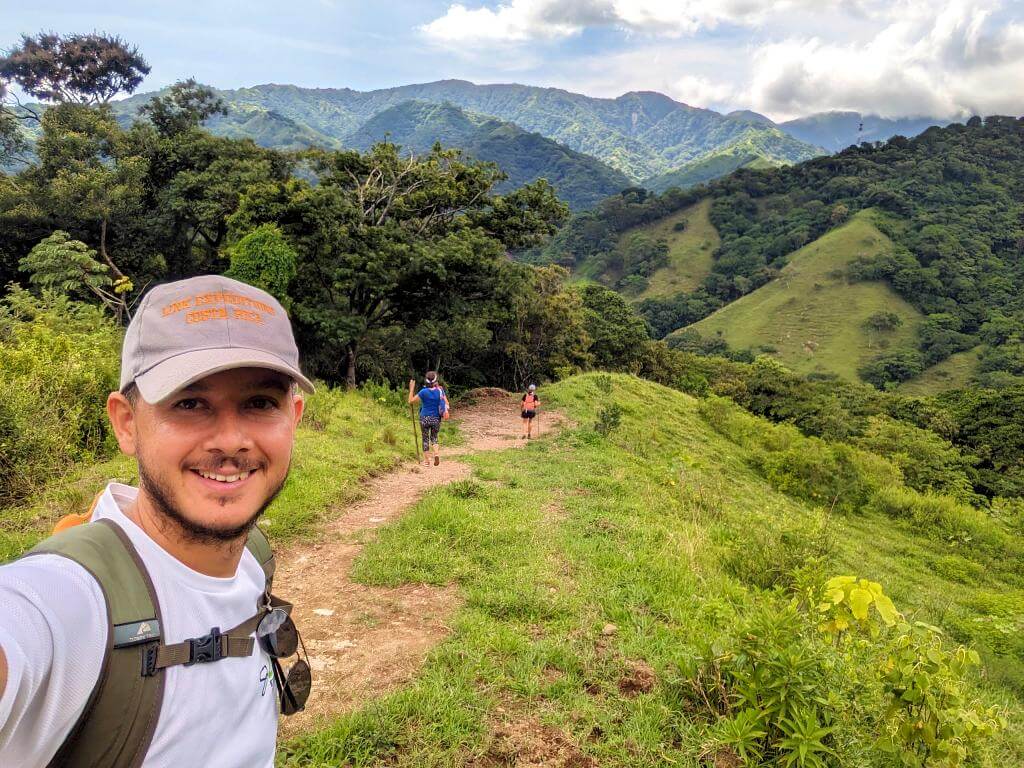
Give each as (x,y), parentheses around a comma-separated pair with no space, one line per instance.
(885,608)
(860,601)
(838,582)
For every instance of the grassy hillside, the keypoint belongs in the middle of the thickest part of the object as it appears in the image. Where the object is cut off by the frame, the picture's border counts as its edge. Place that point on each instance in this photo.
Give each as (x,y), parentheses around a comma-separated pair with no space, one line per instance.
(955,372)
(578,179)
(609,580)
(689,251)
(687,263)
(813,319)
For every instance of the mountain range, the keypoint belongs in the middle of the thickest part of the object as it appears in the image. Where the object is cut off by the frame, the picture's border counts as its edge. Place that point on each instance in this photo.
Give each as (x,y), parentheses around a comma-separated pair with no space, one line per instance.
(587,147)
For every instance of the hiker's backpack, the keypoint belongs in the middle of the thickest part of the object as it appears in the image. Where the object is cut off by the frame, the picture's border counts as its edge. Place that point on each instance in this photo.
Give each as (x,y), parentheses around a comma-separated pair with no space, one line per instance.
(119,720)
(530,402)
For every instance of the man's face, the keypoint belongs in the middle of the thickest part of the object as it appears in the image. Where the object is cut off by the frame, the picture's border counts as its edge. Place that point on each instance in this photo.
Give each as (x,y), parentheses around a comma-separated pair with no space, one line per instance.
(215,454)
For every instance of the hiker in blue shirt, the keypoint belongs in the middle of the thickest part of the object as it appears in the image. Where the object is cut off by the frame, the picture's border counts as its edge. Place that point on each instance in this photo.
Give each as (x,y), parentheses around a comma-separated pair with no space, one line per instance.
(433,407)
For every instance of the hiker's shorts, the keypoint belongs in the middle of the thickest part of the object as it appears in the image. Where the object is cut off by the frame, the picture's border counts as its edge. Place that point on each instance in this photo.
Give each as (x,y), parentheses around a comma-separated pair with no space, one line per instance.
(529,414)
(430,426)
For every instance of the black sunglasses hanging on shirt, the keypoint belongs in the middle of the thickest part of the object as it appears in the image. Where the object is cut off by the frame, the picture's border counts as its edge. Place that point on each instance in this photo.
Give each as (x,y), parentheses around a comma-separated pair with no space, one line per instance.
(278,636)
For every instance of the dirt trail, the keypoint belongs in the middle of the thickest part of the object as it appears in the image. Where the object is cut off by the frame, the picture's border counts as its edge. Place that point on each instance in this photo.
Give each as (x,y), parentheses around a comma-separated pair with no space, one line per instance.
(365,641)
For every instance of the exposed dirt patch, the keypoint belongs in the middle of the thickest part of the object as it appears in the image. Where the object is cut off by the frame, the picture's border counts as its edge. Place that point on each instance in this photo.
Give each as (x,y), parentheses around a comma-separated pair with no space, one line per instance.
(528,742)
(726,758)
(639,678)
(495,422)
(364,641)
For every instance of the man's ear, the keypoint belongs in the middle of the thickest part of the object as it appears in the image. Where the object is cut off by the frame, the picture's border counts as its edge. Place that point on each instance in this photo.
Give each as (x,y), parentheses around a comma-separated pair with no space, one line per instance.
(300,406)
(122,418)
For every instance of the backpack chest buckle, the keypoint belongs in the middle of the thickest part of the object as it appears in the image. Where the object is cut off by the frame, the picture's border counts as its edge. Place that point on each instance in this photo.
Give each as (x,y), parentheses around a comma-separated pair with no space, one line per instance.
(205,649)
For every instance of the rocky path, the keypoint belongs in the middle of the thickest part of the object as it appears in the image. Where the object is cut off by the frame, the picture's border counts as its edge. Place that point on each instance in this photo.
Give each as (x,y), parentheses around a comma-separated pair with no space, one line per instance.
(365,641)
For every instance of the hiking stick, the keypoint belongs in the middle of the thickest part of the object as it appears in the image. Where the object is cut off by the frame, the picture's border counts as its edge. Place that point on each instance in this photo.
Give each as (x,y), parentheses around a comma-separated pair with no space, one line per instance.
(415,434)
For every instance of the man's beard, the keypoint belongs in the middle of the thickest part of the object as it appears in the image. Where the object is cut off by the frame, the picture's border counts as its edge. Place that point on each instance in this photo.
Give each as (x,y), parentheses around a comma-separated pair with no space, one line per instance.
(194,531)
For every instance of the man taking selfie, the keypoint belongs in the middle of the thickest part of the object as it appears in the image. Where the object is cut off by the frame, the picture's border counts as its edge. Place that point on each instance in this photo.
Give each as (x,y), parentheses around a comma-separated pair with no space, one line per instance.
(144,633)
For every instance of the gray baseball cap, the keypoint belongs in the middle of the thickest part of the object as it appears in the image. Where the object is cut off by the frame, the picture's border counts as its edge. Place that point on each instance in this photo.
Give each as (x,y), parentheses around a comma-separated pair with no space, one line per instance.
(189,329)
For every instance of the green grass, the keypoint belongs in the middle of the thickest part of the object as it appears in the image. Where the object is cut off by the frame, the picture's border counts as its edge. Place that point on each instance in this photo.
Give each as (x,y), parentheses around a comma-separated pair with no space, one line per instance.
(955,372)
(689,251)
(810,317)
(346,436)
(663,529)
(689,254)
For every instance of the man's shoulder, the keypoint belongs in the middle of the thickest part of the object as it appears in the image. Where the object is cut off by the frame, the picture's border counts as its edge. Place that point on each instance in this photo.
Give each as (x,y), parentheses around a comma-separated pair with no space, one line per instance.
(60,586)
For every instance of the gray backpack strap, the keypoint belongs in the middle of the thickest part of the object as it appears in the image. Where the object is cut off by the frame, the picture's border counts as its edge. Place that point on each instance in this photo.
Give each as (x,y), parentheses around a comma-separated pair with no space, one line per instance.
(117,725)
(259,546)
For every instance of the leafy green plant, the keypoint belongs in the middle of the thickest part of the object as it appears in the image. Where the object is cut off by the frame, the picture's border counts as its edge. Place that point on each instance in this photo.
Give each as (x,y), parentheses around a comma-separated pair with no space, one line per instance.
(797,676)
(803,745)
(743,733)
(930,721)
(848,602)
(608,419)
(58,363)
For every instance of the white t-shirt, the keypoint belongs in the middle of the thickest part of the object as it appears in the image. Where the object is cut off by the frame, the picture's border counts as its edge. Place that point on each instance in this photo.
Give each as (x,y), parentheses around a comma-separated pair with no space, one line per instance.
(53,629)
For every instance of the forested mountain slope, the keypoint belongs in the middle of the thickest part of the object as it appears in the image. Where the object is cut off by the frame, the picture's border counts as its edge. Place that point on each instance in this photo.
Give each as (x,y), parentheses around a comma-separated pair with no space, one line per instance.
(641,134)
(578,179)
(950,201)
(759,146)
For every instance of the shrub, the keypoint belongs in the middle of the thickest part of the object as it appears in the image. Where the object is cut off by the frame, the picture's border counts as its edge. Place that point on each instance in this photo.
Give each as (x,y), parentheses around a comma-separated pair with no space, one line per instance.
(883,321)
(931,720)
(862,687)
(265,259)
(777,553)
(608,419)
(945,518)
(58,362)
(928,462)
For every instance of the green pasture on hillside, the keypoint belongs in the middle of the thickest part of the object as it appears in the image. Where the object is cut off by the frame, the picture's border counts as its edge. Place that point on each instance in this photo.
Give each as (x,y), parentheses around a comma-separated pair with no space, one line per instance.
(955,372)
(811,317)
(689,252)
(598,571)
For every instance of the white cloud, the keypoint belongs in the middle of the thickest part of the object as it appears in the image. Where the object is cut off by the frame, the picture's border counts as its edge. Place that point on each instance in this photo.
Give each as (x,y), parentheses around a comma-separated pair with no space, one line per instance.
(702,92)
(939,58)
(517,21)
(942,62)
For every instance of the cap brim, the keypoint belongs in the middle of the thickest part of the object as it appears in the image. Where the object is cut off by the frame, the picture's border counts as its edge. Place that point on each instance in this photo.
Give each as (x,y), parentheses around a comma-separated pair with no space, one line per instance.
(164,379)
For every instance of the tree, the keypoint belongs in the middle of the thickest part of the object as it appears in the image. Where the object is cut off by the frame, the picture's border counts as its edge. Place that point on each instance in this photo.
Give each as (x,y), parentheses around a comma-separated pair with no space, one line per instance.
(12,141)
(70,267)
(185,106)
(265,259)
(618,333)
(887,370)
(80,69)
(90,176)
(523,218)
(385,241)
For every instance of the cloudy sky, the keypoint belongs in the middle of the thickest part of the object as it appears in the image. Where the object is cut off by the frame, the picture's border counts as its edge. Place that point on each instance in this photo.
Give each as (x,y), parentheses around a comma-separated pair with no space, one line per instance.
(897,58)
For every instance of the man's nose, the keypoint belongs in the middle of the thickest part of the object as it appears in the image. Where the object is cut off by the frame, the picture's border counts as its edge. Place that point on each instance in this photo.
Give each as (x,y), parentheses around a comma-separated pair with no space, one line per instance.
(229,435)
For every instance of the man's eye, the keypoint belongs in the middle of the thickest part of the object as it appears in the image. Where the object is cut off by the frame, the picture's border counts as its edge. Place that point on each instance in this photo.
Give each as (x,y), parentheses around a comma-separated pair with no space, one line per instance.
(263,403)
(188,404)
